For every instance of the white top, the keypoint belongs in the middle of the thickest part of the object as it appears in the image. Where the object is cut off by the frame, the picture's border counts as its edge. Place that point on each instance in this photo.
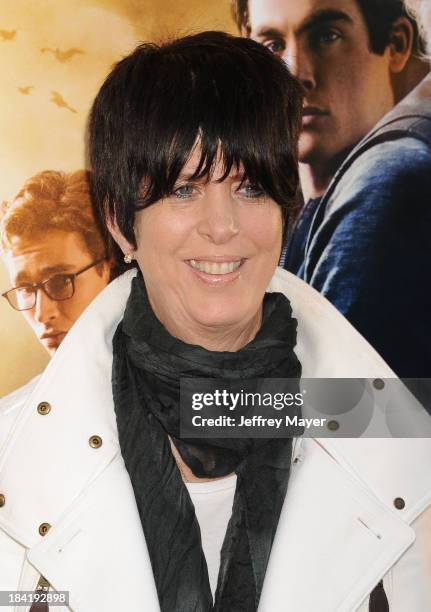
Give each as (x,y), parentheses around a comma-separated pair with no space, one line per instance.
(213,503)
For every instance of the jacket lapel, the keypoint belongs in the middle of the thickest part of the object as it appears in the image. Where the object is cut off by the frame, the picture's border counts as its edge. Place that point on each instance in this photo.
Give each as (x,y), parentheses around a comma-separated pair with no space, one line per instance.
(97,552)
(334,542)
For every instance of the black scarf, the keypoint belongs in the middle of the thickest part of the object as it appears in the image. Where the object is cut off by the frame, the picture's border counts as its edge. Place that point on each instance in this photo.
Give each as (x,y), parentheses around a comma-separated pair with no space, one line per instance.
(147,367)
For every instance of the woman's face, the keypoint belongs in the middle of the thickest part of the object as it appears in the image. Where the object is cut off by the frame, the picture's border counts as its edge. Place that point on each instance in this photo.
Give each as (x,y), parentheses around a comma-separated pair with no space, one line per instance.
(207,253)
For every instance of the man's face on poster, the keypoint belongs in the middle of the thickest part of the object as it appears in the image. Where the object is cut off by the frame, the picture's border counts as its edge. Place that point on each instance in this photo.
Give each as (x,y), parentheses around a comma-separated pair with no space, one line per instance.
(54,255)
(326,45)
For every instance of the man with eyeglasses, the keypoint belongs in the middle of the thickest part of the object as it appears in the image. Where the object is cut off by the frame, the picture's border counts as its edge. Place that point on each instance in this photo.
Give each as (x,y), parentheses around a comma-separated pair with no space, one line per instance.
(54,252)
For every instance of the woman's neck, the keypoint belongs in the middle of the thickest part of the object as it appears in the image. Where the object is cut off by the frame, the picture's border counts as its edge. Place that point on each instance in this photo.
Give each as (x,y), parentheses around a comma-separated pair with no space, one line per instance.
(217,338)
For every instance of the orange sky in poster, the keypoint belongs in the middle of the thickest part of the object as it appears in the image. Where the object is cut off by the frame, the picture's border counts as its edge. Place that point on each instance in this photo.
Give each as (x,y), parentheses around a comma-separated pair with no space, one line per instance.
(54,55)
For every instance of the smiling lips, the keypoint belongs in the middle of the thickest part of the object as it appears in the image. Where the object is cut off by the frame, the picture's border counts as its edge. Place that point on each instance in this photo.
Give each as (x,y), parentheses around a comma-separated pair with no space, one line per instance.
(215,267)
(216,272)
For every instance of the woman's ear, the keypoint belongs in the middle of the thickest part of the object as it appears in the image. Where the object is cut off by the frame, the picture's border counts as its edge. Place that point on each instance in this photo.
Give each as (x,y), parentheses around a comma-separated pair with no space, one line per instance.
(400,44)
(118,237)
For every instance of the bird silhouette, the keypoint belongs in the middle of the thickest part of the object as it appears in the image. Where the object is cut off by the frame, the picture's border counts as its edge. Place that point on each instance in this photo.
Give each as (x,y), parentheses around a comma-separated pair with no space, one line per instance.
(25,90)
(58,100)
(8,34)
(62,56)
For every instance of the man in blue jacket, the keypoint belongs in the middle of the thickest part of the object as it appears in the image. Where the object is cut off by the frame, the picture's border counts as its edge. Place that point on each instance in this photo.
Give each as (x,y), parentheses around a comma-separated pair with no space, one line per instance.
(369,246)
(362,237)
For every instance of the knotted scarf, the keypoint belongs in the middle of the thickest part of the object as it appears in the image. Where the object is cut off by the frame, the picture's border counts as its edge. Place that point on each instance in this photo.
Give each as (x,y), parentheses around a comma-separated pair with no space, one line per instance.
(147,367)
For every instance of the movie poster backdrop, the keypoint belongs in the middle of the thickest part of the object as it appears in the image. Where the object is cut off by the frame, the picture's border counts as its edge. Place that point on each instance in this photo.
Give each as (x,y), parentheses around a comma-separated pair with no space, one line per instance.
(54,55)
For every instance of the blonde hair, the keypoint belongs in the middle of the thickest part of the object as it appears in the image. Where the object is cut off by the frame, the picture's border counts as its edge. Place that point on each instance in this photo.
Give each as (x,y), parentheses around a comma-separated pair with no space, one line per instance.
(52,200)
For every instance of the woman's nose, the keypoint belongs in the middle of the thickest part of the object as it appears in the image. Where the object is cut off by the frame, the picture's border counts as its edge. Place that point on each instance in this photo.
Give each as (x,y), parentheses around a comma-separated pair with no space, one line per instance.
(219,222)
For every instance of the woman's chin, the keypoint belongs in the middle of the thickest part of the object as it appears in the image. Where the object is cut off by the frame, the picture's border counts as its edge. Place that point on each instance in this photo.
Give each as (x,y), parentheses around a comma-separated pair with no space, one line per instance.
(224,315)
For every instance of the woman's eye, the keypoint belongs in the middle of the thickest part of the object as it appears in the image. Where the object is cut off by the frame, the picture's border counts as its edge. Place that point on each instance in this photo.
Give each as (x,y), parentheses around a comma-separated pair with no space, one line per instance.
(251,191)
(184,191)
(275,46)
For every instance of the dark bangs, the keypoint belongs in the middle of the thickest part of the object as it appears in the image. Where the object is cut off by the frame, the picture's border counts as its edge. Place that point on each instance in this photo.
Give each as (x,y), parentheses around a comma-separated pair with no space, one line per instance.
(228,95)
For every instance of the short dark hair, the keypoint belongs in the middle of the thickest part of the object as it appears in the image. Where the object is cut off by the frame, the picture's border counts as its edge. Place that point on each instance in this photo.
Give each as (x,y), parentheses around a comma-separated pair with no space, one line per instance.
(379,17)
(230,93)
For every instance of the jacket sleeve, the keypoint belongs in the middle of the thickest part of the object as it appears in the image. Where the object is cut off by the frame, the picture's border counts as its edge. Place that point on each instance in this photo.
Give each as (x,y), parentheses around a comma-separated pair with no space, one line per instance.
(371,255)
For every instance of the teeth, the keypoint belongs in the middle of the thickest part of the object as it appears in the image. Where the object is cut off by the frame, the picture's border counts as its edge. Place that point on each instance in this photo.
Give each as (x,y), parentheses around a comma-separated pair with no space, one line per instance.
(211,267)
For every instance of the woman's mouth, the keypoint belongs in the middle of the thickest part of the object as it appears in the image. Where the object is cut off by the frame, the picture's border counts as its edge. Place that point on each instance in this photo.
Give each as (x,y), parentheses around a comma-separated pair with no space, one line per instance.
(212,267)
(216,273)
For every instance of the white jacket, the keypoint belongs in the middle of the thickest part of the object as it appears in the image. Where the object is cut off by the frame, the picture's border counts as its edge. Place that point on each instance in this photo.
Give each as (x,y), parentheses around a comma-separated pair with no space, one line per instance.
(339,532)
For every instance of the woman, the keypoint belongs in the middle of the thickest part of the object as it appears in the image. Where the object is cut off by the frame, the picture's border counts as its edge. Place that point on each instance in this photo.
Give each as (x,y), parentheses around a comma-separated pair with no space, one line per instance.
(193,148)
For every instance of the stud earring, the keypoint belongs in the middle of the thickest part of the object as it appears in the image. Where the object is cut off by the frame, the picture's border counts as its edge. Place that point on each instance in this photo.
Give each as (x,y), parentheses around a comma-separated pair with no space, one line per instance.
(128,258)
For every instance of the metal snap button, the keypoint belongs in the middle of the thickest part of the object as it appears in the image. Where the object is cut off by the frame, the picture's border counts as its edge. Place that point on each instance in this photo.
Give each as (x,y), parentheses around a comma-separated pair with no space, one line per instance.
(2,500)
(44,528)
(95,441)
(44,408)
(399,503)
(333,425)
(378,384)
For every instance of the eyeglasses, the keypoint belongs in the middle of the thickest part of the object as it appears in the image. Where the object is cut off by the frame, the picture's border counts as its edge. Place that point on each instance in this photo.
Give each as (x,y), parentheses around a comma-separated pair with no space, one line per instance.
(59,287)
